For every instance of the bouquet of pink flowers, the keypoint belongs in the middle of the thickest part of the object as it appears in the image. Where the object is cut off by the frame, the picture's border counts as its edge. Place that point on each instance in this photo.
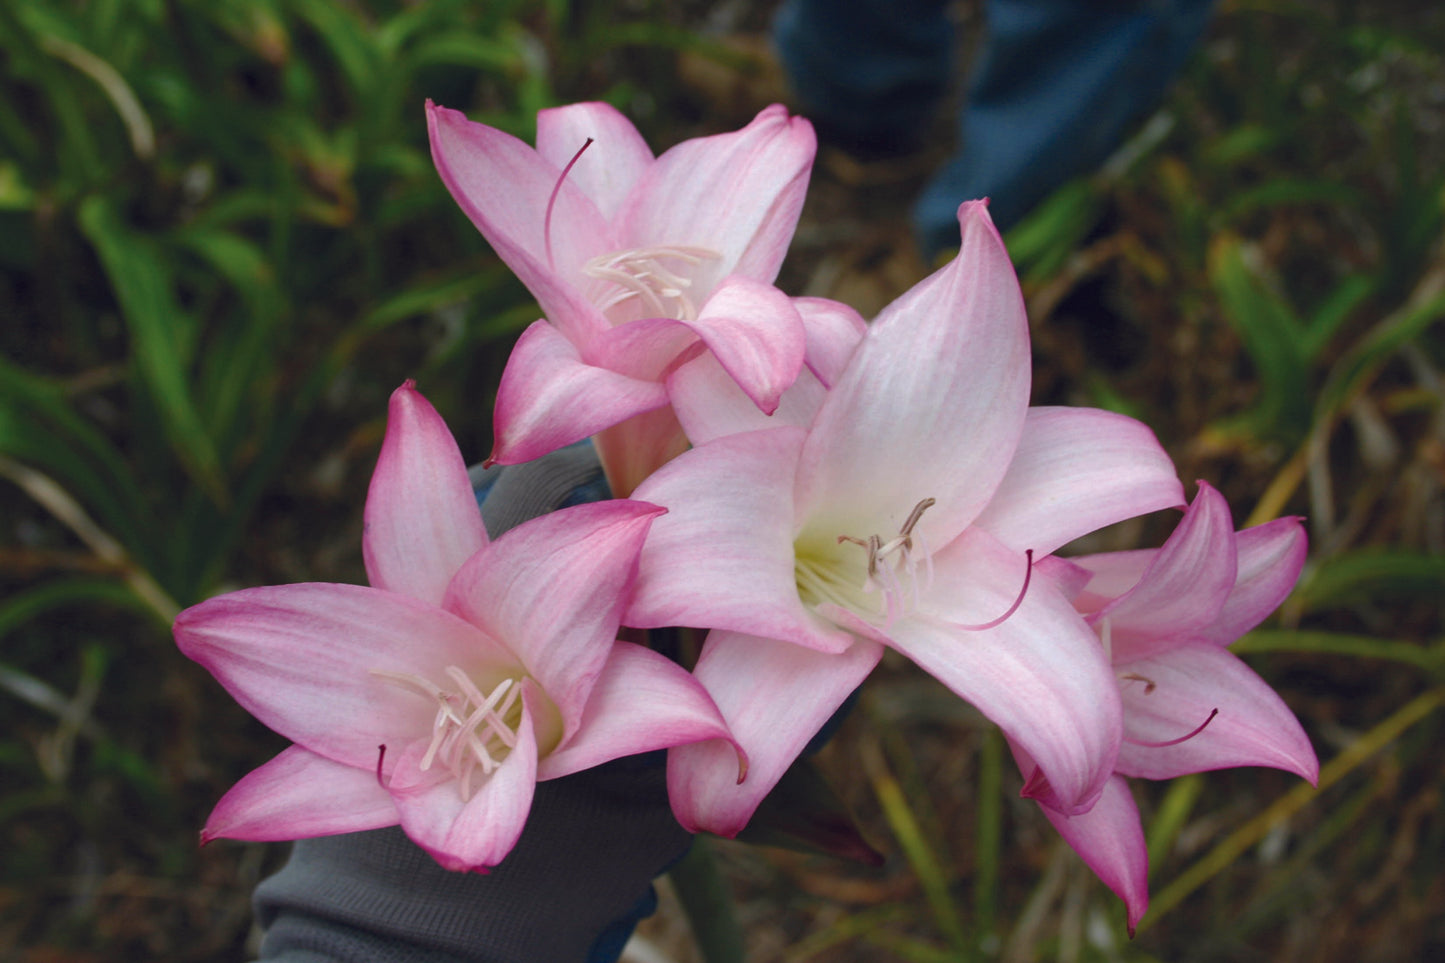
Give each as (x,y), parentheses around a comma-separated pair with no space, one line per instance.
(807,488)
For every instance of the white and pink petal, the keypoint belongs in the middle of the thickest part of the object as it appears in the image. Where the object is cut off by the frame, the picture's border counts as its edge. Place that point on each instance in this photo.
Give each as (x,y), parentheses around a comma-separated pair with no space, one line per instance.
(549,397)
(613,162)
(723,555)
(1077,470)
(930,405)
(304,659)
(1270,559)
(756,334)
(299,795)
(710,405)
(833,330)
(775,697)
(421,521)
(474,833)
(738,194)
(1040,674)
(1110,839)
(543,226)
(642,701)
(1183,588)
(1168,698)
(552,590)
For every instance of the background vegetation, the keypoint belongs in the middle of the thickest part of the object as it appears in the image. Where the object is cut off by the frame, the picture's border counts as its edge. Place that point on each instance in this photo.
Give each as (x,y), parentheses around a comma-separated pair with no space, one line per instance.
(222,245)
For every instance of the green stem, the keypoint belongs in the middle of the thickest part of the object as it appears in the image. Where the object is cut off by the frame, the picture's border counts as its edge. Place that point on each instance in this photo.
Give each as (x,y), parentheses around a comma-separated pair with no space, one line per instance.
(708,904)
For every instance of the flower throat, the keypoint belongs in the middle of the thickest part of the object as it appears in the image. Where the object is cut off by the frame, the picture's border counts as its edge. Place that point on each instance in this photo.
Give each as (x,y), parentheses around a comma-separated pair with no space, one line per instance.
(655,277)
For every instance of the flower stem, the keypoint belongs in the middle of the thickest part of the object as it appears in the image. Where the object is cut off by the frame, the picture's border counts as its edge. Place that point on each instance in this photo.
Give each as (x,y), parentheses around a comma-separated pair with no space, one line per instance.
(709,907)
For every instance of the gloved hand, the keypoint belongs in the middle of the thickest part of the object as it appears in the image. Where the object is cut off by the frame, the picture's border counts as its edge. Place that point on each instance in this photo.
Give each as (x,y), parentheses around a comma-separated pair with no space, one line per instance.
(572,889)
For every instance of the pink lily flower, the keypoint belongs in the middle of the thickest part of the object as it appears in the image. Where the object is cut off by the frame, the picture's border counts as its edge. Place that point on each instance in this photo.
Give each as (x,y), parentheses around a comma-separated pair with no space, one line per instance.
(905,514)
(437,697)
(1165,618)
(638,263)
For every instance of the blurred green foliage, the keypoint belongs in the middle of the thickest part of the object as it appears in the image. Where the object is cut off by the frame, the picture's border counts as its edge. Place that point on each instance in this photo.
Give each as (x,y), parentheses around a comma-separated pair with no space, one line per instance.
(208,207)
(222,241)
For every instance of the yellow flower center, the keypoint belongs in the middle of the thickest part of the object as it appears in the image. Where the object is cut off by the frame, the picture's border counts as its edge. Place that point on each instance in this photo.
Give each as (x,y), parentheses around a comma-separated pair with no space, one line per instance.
(879,582)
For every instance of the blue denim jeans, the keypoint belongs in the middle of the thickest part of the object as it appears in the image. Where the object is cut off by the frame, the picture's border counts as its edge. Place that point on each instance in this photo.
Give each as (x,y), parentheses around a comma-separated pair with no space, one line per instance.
(1056,86)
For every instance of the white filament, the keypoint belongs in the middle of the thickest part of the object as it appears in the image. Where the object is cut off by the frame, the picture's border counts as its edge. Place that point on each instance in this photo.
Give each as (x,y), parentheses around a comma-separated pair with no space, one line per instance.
(471,731)
(644,274)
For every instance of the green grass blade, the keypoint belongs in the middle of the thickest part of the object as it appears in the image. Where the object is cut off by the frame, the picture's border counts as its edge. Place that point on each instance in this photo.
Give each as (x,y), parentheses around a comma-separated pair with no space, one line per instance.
(989,835)
(1355,370)
(38,427)
(1237,843)
(243,352)
(351,44)
(1372,574)
(1043,241)
(1272,336)
(1335,310)
(162,335)
(1338,643)
(708,905)
(1171,817)
(66,593)
(921,853)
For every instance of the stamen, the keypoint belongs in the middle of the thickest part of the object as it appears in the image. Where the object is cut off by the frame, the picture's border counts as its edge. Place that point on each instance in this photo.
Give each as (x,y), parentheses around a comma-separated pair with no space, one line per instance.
(915,515)
(641,274)
(470,729)
(1106,636)
(380,758)
(552,202)
(886,576)
(1174,742)
(1028,577)
(927,566)
(1149,685)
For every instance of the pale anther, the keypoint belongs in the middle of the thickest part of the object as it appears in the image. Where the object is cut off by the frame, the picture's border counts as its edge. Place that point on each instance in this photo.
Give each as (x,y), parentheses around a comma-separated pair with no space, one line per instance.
(1149,684)
(471,729)
(651,276)
(886,574)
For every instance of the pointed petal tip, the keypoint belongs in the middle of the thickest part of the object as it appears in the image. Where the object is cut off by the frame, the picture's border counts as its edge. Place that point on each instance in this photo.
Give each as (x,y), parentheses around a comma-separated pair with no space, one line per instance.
(1308,767)
(975,212)
(455,864)
(1134,910)
(406,397)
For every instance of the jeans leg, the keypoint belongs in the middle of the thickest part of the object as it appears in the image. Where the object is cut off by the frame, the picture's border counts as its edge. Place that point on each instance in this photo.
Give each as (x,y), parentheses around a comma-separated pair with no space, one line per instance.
(868,70)
(1058,84)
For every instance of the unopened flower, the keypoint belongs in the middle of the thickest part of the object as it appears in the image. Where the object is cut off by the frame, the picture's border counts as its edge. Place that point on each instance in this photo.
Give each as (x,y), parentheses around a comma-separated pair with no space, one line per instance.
(437,697)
